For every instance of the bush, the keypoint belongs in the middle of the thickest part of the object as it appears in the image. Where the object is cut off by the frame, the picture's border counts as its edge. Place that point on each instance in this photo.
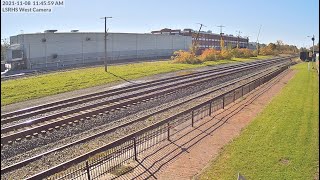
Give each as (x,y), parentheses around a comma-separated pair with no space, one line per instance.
(226,54)
(210,55)
(185,57)
(242,53)
(267,51)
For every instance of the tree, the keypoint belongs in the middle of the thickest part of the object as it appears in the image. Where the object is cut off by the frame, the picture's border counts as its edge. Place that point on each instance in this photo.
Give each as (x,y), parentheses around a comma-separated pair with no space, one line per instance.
(279,44)
(316,47)
(272,46)
(4,46)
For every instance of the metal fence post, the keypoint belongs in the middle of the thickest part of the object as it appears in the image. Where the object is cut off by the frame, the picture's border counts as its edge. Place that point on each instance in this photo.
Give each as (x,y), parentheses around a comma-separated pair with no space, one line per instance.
(192,118)
(135,149)
(242,91)
(223,102)
(168,132)
(88,170)
(210,106)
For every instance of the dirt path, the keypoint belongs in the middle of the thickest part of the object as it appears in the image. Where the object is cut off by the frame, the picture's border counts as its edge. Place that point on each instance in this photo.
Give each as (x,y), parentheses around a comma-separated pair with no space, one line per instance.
(191,150)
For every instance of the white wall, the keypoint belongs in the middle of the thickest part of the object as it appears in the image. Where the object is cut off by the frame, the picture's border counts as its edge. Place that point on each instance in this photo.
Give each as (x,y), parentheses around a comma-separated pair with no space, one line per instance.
(73,48)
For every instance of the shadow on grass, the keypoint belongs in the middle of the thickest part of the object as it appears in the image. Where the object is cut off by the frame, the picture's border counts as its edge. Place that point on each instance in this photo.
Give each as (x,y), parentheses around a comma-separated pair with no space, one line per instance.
(122,78)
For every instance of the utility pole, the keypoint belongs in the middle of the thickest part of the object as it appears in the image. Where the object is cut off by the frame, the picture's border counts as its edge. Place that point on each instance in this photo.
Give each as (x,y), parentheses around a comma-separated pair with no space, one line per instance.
(248,42)
(197,37)
(258,40)
(238,39)
(221,39)
(105,43)
(313,55)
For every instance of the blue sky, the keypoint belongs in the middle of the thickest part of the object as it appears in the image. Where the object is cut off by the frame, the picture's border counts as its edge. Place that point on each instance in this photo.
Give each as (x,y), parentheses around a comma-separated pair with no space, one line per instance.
(288,20)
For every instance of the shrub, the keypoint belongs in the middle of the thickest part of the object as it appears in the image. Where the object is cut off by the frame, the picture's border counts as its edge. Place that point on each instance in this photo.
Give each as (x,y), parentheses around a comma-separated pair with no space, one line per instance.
(226,54)
(246,53)
(210,55)
(267,51)
(242,53)
(185,57)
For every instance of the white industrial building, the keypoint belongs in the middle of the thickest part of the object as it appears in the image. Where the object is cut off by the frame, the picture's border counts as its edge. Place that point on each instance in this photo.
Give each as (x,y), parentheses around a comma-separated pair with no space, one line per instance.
(60,49)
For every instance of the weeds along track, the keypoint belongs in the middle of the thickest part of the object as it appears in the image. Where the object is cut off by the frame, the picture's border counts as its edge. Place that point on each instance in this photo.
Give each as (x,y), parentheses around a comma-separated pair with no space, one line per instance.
(29,123)
(42,161)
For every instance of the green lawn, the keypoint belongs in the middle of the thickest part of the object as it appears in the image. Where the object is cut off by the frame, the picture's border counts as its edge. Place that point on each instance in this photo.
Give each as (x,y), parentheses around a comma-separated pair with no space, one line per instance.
(13,91)
(282,142)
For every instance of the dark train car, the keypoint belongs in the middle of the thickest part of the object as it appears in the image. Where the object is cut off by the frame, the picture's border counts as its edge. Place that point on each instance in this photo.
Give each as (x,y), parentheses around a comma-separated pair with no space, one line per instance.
(3,67)
(304,56)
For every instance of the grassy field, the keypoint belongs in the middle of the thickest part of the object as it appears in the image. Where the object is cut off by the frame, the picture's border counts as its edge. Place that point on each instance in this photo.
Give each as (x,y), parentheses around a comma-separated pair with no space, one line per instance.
(282,142)
(13,91)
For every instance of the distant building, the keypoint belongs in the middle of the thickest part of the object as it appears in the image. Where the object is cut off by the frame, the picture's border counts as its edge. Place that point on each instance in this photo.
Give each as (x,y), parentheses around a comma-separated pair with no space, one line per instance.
(53,49)
(252,45)
(208,39)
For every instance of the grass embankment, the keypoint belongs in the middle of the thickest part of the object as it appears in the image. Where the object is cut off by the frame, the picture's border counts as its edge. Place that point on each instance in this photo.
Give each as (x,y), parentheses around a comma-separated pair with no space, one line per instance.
(282,142)
(13,91)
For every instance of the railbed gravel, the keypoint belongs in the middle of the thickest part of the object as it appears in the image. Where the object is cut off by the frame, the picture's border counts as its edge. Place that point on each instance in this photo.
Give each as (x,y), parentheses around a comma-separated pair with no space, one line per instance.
(26,145)
(57,158)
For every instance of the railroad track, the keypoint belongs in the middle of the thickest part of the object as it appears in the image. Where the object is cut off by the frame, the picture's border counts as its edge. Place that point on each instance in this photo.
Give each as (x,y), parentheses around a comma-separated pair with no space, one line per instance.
(228,84)
(27,112)
(20,164)
(33,127)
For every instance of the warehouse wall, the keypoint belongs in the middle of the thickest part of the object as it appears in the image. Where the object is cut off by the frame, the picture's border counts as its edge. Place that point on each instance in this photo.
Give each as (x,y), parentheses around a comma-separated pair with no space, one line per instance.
(88,48)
